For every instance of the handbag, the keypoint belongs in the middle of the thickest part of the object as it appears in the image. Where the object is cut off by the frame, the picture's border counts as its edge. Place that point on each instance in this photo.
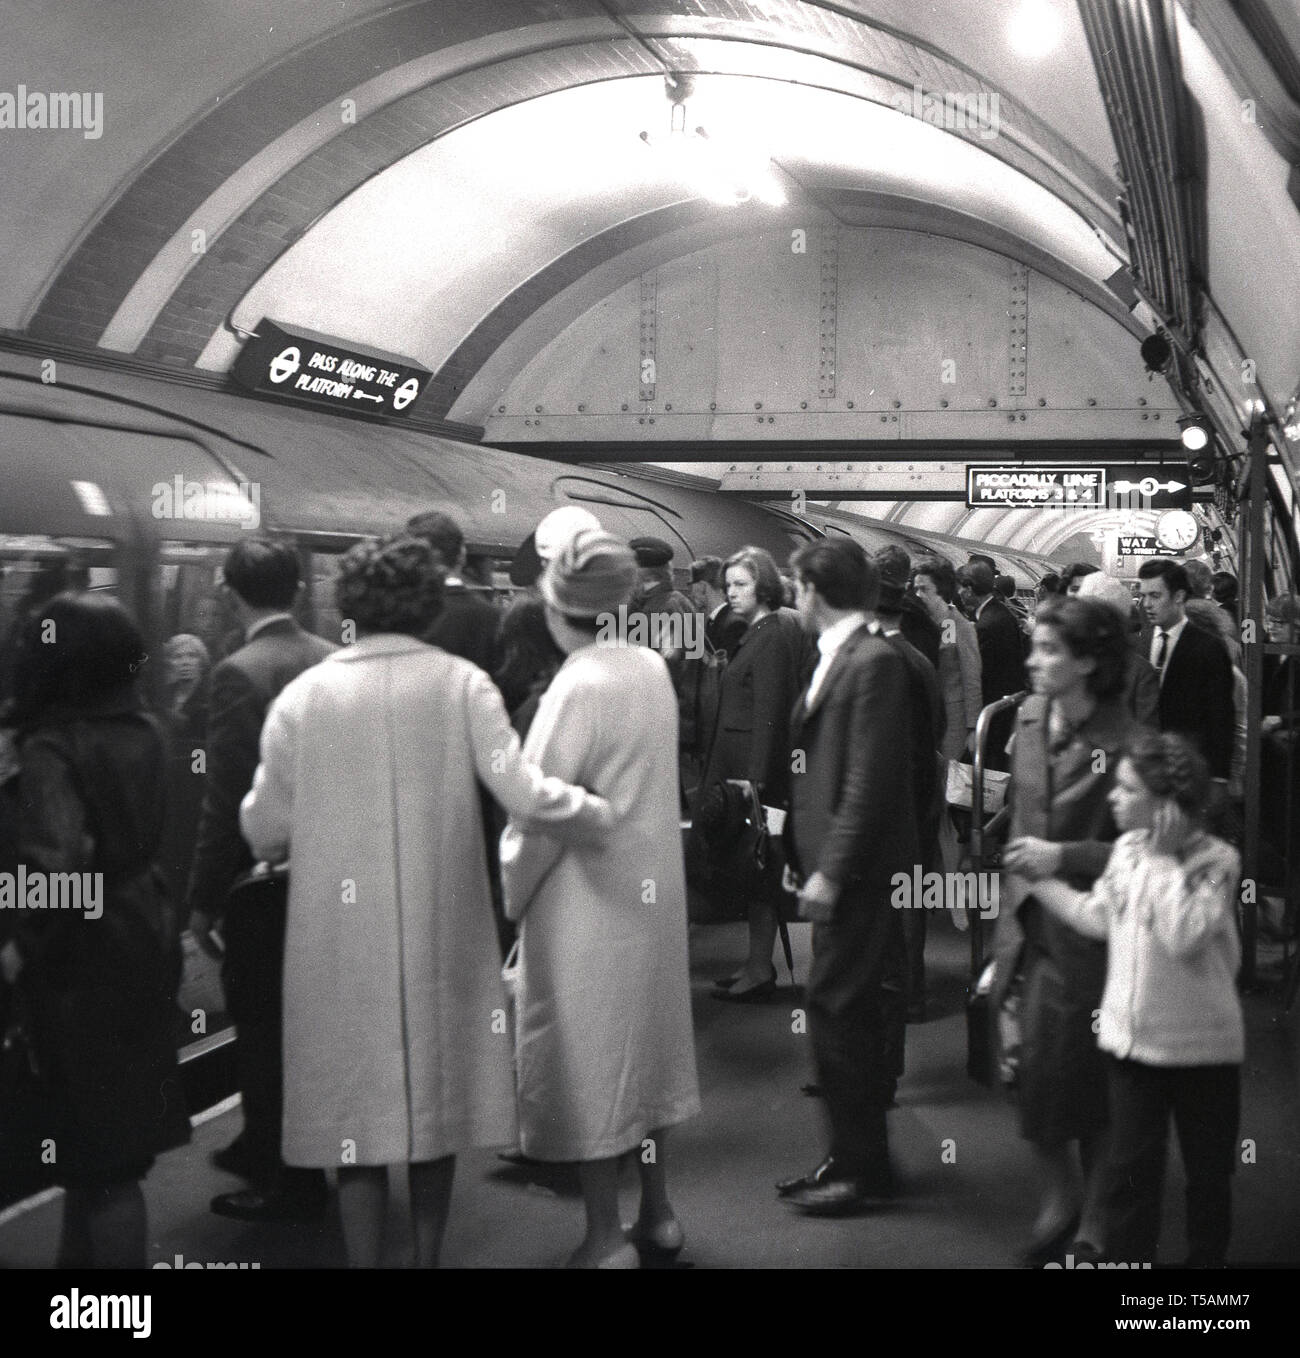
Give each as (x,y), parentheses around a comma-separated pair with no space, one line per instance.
(727,853)
(994,1038)
(960,791)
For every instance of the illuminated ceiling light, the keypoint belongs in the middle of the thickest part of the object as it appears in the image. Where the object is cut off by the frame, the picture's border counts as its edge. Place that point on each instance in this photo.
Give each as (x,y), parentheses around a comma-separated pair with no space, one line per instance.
(723,171)
(1195,432)
(1035,28)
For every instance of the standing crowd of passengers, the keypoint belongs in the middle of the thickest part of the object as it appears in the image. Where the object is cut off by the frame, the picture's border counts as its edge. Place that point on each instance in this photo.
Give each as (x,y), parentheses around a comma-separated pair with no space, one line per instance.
(457,780)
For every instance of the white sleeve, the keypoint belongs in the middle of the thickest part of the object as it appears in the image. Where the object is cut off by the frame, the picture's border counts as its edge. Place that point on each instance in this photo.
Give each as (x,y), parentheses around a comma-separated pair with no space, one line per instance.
(516,781)
(1089,911)
(1191,906)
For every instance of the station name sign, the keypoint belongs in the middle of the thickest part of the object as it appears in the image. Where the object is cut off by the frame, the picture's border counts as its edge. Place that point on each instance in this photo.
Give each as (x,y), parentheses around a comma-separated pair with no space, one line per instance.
(1043,487)
(302,366)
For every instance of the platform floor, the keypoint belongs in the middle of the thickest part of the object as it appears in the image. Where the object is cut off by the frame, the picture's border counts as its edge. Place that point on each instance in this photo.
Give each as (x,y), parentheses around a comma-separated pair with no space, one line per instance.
(756,1126)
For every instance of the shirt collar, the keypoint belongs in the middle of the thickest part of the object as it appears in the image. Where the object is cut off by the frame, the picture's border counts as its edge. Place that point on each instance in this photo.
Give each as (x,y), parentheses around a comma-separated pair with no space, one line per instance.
(1173,632)
(838,633)
(263,623)
(714,612)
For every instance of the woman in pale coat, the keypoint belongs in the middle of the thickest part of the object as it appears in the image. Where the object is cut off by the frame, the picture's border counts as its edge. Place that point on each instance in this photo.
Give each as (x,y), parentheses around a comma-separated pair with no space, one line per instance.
(395,1041)
(605,1050)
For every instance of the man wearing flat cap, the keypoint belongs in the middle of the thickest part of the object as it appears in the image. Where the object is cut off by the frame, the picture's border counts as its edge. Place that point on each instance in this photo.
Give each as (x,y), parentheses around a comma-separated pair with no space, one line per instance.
(654,595)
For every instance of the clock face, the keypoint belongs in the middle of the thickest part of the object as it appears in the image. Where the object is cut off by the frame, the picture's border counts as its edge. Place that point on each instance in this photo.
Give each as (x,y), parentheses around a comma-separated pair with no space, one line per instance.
(1177,530)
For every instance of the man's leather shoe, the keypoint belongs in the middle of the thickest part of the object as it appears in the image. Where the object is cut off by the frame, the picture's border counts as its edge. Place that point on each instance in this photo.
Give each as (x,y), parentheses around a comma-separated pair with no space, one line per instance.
(255,1205)
(824,1172)
(234,1159)
(838,1197)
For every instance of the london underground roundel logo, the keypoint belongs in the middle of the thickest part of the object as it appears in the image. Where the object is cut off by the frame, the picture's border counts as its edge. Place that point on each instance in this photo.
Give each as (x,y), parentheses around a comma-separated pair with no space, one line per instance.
(285,364)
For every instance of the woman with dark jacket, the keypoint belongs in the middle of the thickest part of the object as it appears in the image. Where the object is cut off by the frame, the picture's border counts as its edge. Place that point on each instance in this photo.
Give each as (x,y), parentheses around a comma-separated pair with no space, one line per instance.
(1070,734)
(99,983)
(751,737)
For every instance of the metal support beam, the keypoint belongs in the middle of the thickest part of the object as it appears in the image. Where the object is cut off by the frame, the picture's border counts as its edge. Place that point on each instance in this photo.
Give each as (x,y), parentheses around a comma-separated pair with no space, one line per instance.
(1250,554)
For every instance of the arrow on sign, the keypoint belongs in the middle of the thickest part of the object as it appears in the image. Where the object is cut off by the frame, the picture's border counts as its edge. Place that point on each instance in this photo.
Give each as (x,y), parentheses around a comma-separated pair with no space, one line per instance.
(1147,486)
(365,396)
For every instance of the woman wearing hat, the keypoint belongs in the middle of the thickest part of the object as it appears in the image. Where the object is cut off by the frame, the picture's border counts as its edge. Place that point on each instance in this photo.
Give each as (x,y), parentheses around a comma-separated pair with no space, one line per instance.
(369,776)
(605,1050)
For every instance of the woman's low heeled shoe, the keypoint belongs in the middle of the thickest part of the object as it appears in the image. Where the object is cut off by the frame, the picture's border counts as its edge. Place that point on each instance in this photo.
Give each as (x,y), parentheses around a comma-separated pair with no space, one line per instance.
(662,1242)
(754,994)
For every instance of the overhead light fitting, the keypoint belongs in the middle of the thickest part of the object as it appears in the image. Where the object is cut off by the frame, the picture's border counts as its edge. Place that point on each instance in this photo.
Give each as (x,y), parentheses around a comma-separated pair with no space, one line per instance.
(718,169)
(1156,352)
(1195,432)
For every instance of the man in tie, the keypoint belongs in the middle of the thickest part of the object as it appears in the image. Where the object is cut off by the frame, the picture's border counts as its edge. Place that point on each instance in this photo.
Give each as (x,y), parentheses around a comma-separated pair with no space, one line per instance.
(1194,669)
(851,829)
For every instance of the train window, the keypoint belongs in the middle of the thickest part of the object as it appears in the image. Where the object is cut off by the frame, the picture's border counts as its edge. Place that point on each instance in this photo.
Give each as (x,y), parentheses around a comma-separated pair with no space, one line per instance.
(322,613)
(34,568)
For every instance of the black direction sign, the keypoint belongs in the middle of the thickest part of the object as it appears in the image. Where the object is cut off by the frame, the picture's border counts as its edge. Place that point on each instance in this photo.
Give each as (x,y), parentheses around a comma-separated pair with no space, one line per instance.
(1149,485)
(1138,544)
(303,366)
(1035,487)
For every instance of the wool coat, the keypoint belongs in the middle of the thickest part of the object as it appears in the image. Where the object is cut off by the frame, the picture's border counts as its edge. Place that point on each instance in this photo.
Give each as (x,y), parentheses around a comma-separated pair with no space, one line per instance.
(606,1050)
(395,1041)
(1060,795)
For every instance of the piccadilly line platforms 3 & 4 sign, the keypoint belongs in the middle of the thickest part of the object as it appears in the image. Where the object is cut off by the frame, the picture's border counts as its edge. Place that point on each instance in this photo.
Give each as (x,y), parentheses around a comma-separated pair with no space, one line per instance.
(1024,487)
(321,371)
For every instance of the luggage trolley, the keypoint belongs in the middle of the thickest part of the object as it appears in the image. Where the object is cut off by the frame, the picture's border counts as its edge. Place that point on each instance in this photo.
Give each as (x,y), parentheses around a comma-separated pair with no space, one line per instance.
(984,856)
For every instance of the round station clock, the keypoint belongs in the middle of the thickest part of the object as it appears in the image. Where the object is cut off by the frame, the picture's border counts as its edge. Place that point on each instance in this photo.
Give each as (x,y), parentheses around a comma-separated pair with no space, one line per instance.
(1177,530)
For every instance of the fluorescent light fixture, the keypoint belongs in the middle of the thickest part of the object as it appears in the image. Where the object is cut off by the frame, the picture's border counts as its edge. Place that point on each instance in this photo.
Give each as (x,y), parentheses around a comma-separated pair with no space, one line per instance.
(1035,28)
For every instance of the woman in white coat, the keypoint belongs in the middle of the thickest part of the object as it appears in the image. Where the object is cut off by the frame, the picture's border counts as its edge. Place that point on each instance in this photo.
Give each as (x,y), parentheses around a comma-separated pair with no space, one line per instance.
(605,1049)
(395,1042)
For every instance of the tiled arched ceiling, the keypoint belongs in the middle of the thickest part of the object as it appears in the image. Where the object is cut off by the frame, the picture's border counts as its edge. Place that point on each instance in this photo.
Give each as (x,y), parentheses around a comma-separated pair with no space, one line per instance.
(233,132)
(278,150)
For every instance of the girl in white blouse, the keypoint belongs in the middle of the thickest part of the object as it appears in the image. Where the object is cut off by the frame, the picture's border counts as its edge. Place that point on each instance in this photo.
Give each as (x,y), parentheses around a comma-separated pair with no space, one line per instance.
(1170,1018)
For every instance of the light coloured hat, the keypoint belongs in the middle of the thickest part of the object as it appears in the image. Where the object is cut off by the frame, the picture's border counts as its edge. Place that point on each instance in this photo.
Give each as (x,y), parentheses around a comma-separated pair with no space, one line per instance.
(1105,587)
(559,527)
(593,573)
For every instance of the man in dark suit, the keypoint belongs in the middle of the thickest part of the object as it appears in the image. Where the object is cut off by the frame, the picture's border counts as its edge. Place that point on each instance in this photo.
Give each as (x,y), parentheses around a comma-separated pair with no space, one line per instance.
(260,584)
(851,831)
(1002,651)
(723,626)
(468,624)
(929,722)
(1194,668)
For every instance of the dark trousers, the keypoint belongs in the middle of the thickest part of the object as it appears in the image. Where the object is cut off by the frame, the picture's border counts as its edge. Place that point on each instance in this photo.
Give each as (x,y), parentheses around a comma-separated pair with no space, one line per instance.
(1206,1106)
(848,1009)
(252,973)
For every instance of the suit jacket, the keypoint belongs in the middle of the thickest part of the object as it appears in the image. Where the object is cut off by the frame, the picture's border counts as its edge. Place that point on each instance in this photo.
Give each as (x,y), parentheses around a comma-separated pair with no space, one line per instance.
(243,687)
(467,627)
(751,738)
(851,806)
(919,628)
(724,631)
(1002,654)
(1196,697)
(927,728)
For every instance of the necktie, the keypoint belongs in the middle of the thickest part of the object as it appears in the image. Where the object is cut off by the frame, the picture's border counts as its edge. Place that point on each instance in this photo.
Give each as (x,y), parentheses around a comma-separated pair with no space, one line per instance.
(1161,651)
